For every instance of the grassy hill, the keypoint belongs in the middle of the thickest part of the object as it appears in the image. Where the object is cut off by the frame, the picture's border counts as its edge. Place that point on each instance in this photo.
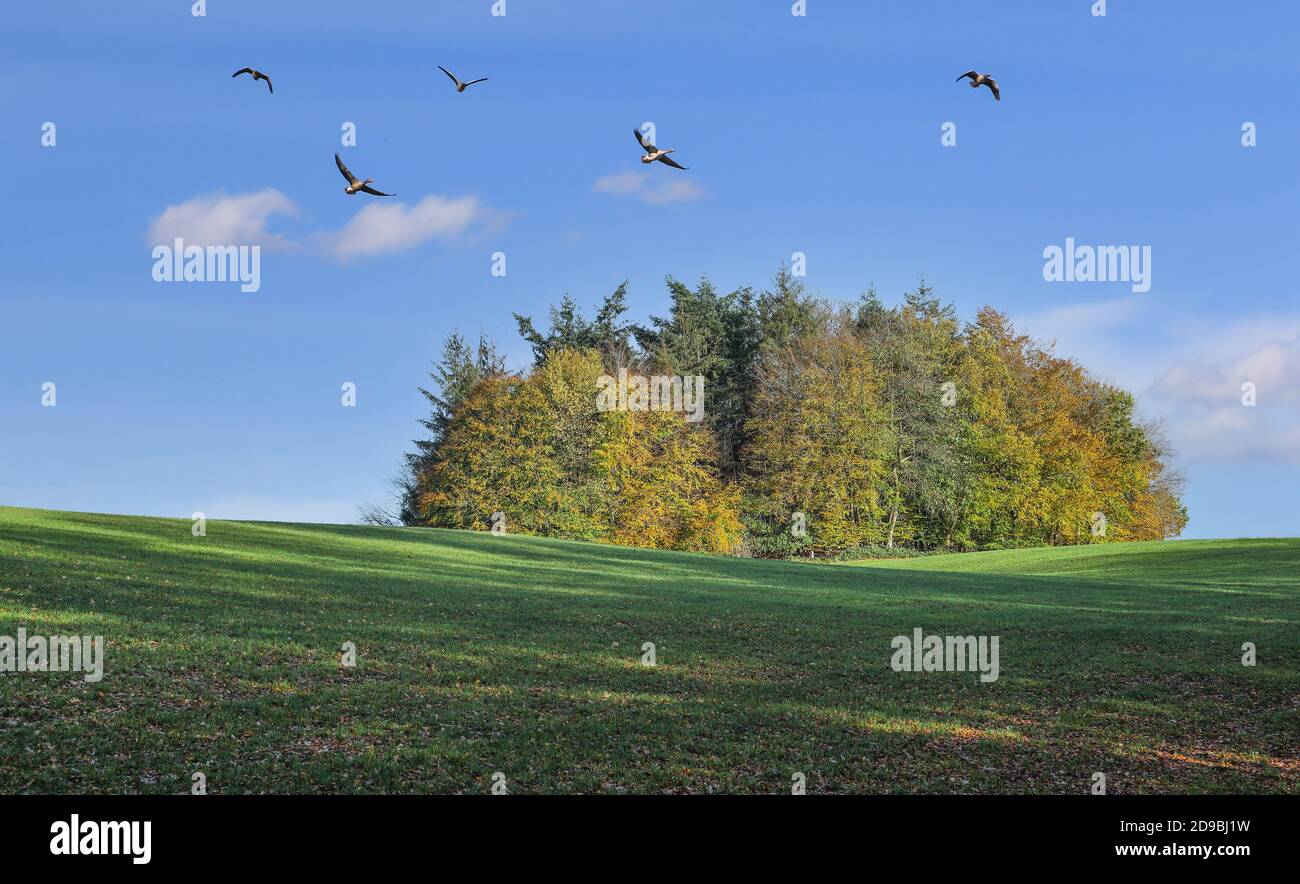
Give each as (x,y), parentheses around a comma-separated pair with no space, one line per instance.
(480,653)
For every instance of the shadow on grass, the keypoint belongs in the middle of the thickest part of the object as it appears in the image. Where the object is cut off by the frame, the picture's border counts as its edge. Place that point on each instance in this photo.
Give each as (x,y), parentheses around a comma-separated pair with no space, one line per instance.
(488,647)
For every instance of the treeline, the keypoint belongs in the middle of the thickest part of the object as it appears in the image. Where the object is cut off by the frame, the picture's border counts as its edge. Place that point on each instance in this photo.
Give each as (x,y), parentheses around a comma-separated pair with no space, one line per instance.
(826,428)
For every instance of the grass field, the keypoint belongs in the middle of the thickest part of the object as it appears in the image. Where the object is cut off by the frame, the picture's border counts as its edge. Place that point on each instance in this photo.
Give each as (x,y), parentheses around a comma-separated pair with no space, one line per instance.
(479,653)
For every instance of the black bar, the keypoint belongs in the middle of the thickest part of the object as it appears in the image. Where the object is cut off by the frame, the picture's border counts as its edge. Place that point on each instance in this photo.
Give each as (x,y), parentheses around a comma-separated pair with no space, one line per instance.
(335,833)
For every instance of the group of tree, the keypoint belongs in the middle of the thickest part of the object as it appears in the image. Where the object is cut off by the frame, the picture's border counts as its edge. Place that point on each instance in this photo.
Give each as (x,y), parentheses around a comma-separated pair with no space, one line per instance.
(827,428)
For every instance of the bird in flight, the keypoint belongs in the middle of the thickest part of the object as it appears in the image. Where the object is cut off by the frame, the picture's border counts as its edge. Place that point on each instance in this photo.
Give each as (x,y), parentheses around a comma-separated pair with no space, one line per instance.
(978,80)
(257,75)
(460,87)
(355,184)
(653,153)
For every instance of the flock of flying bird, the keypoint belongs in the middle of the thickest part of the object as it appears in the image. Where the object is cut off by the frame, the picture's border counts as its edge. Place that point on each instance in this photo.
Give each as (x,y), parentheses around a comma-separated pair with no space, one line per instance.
(652,154)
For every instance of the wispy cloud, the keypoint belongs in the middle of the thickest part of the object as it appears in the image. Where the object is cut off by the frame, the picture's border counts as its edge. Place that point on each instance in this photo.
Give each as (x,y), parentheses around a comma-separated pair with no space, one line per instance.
(1074,319)
(656,190)
(224,219)
(386,227)
(1100,334)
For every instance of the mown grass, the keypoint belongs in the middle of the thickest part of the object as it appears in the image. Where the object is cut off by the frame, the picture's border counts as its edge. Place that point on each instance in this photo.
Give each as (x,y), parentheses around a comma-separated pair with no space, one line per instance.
(481,653)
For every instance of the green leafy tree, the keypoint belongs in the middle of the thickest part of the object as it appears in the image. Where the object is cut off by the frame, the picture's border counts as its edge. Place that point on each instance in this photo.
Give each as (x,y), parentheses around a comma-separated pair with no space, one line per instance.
(569,330)
(457,372)
(912,347)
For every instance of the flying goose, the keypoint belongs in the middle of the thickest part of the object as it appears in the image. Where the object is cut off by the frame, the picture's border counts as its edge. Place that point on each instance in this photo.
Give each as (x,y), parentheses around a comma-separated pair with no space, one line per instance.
(978,80)
(460,87)
(356,184)
(653,153)
(257,75)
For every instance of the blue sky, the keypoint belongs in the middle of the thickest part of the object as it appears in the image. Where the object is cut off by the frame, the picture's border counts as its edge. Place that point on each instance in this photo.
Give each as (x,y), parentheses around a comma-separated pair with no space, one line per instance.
(818,134)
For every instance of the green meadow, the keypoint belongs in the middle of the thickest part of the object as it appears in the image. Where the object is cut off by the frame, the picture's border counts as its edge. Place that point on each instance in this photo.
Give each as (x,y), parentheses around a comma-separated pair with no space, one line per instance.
(478,654)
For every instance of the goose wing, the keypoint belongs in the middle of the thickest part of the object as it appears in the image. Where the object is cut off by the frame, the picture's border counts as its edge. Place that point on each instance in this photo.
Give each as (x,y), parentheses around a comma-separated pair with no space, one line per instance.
(479,80)
(449,74)
(993,84)
(671,162)
(970,74)
(640,139)
(347,173)
(242,71)
(368,189)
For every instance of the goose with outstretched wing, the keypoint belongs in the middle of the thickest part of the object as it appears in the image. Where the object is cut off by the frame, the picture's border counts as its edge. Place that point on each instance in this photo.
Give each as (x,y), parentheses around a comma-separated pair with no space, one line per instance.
(461,87)
(653,154)
(257,75)
(977,80)
(355,184)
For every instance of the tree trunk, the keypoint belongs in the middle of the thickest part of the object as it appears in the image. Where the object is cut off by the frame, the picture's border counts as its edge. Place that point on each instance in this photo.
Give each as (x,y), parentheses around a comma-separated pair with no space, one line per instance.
(893,511)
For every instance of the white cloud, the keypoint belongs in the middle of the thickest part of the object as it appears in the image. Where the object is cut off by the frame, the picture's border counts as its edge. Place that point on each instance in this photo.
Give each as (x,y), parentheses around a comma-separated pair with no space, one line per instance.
(226,220)
(1194,382)
(379,228)
(656,190)
(1201,395)
(385,227)
(1272,366)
